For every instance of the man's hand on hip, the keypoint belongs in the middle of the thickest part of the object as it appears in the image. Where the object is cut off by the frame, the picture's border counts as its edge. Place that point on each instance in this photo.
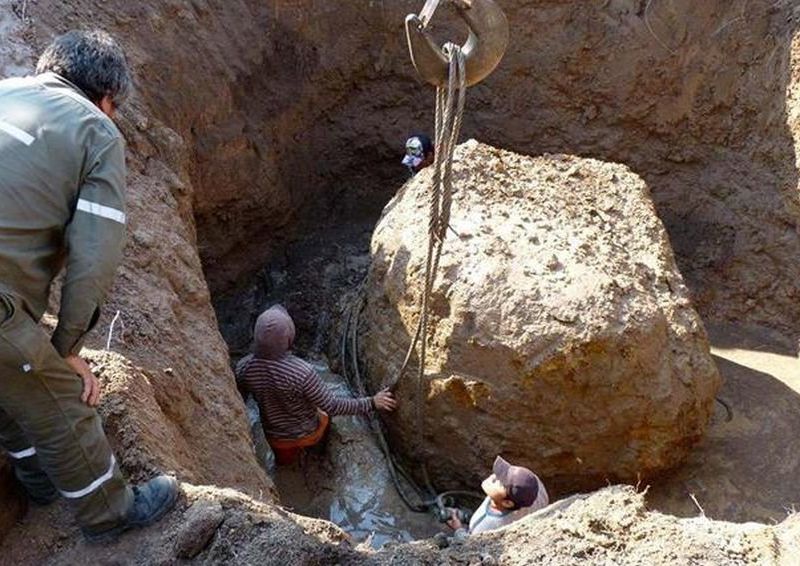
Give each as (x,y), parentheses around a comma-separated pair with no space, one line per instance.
(91,387)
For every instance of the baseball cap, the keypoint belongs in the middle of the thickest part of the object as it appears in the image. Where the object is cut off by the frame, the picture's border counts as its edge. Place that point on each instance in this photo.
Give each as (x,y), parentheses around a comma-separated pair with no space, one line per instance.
(522,485)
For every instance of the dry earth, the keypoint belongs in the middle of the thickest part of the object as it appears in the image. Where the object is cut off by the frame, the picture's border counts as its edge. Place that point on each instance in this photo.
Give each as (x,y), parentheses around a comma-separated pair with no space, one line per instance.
(171,402)
(745,468)
(611,526)
(255,120)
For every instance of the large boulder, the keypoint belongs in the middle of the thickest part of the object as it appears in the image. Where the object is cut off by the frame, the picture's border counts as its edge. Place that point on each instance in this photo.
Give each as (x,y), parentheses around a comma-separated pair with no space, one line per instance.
(562,335)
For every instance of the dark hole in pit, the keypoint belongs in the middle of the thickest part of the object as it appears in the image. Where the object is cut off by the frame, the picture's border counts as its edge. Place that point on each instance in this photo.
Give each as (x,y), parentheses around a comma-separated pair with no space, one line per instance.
(345,480)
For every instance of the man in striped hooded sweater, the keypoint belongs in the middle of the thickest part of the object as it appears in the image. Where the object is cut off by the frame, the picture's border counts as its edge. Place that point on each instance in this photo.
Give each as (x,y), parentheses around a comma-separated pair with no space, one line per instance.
(295,404)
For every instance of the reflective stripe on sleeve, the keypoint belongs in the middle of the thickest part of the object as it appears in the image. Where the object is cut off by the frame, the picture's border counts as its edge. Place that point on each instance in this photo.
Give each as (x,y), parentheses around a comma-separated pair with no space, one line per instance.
(102,211)
(94,485)
(22,454)
(15,132)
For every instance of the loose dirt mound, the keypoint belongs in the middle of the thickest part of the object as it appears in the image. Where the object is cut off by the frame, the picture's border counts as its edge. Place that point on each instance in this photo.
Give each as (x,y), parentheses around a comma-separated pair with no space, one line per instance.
(563,336)
(612,526)
(209,526)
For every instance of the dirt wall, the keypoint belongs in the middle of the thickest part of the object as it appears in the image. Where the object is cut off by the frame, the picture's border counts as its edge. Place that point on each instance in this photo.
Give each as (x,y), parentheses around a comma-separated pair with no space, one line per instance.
(171,403)
(250,113)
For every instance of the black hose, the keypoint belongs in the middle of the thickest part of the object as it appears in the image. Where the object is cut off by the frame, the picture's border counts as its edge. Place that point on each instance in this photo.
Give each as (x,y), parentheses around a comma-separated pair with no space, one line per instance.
(358,389)
(429,499)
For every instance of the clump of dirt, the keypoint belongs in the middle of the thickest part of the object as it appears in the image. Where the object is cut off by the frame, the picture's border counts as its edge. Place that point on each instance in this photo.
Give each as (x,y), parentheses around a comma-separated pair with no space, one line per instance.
(146,426)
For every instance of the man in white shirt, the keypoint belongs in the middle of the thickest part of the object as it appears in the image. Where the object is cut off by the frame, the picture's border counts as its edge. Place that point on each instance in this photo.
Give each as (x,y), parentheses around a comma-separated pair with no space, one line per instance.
(512,492)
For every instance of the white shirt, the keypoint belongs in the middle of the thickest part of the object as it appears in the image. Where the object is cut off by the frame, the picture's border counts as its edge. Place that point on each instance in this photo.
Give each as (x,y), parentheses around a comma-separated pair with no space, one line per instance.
(487,518)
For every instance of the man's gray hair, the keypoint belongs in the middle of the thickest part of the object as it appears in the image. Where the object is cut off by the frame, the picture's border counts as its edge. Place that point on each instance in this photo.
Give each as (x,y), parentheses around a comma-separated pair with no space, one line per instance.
(91,60)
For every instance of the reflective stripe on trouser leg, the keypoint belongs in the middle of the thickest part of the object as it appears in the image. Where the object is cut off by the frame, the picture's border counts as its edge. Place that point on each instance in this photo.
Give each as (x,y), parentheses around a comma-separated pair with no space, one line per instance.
(95,485)
(67,434)
(12,438)
(22,454)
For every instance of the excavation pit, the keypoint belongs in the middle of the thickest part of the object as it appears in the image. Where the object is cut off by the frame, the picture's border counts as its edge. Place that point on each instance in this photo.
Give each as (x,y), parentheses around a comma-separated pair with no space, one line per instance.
(254,120)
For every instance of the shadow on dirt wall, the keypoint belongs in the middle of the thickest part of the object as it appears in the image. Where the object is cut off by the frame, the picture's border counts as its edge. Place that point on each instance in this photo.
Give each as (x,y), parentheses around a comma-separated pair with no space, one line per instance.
(300,146)
(745,468)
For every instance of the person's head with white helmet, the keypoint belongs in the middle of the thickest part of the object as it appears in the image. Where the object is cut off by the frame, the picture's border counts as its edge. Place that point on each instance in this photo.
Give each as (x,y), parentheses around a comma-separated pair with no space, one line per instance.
(419,153)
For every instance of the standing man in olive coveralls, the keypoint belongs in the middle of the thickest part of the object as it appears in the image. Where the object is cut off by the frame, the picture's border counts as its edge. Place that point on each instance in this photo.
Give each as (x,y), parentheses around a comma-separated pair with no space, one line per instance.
(62,184)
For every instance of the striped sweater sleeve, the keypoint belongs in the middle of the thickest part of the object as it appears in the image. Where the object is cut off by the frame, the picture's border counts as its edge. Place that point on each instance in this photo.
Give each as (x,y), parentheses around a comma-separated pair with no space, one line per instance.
(239,372)
(317,393)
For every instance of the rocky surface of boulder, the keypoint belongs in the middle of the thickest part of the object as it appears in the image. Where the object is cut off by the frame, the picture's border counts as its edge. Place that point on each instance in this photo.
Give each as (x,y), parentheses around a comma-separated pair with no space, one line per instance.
(562,334)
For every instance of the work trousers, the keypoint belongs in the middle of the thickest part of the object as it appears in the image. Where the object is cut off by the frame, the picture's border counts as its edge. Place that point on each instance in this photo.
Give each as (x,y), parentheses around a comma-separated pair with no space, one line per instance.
(49,433)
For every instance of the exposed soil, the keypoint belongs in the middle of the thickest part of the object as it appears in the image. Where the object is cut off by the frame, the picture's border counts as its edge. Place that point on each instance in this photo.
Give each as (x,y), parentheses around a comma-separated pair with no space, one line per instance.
(745,469)
(254,120)
(612,526)
(309,279)
(692,96)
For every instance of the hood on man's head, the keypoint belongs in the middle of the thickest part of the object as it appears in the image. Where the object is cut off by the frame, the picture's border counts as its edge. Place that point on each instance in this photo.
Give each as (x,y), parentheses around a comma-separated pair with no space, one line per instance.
(274,333)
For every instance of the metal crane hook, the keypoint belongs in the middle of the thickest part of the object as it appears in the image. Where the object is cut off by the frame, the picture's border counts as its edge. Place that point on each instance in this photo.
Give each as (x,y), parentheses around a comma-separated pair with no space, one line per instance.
(485,46)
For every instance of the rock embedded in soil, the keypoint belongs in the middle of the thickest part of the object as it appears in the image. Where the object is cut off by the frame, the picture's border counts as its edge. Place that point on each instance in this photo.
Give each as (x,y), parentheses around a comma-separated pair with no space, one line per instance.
(200,523)
(562,335)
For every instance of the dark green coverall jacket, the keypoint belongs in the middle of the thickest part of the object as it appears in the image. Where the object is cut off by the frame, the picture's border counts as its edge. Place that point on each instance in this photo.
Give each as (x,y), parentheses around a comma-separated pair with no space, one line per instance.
(62,181)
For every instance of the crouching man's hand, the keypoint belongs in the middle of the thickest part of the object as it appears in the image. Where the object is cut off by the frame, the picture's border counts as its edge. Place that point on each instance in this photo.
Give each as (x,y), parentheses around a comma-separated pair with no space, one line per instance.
(454,522)
(384,400)
(91,387)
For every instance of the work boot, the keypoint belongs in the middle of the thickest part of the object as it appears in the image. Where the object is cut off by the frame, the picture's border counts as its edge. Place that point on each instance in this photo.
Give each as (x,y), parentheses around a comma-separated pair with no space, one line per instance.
(151,501)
